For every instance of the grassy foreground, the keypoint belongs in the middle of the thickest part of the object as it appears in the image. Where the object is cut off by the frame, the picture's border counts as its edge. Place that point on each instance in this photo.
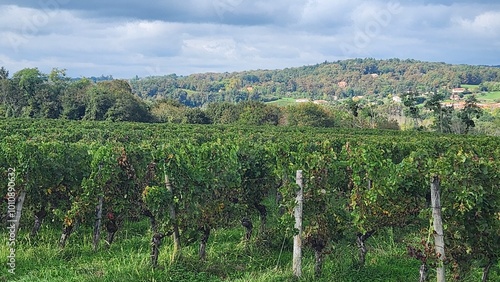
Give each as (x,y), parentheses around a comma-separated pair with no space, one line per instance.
(228,259)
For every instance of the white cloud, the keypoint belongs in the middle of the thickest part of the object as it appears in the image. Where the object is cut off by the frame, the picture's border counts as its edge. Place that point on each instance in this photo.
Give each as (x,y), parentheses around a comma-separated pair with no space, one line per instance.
(486,24)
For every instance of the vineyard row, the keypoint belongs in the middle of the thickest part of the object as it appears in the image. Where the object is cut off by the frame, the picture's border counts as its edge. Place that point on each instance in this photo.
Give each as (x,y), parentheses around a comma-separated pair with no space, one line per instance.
(191,180)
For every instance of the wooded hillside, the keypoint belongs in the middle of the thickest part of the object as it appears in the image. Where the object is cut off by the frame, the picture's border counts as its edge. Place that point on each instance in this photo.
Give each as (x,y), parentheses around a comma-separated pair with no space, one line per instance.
(327,81)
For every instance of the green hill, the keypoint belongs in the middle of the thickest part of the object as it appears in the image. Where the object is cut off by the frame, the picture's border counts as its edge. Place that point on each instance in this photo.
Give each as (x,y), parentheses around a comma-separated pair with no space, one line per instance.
(326,81)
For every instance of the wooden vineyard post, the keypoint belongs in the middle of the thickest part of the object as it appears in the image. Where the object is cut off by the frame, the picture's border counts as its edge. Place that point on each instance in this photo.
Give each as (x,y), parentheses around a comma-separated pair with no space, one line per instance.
(19,209)
(97,224)
(297,239)
(438,228)
(173,218)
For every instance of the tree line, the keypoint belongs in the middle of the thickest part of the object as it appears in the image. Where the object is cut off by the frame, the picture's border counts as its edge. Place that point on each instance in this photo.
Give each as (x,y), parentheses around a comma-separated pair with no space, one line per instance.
(31,93)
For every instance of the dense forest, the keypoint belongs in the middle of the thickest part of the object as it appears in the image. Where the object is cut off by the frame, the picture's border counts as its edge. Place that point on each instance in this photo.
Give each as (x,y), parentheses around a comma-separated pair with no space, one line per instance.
(352,93)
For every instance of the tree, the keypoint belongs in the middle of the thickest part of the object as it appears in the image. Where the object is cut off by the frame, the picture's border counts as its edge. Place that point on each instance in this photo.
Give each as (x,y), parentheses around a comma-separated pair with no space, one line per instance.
(442,115)
(127,107)
(168,110)
(470,112)
(410,101)
(258,113)
(4,74)
(29,81)
(223,113)
(353,106)
(75,99)
(197,116)
(4,89)
(309,114)
(113,100)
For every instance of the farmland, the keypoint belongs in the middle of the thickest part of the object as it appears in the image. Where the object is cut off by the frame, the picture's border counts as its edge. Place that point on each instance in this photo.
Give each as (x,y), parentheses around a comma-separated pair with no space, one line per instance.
(218,201)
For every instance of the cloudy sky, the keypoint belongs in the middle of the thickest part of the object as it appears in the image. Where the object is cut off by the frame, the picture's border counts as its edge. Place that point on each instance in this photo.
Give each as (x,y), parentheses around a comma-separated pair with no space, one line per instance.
(125,38)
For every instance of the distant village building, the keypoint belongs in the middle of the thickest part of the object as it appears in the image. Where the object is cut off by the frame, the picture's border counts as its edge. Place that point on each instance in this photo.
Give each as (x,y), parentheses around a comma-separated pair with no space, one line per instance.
(374,75)
(396,99)
(455,93)
(342,84)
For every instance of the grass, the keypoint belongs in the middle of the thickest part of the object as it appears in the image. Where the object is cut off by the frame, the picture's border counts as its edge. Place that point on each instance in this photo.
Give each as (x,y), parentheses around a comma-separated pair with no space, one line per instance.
(485,97)
(228,259)
(489,96)
(471,87)
(282,102)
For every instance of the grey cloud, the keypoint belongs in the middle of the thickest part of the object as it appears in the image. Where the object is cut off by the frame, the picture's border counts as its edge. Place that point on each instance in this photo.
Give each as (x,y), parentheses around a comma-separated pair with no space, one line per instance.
(125,38)
(238,12)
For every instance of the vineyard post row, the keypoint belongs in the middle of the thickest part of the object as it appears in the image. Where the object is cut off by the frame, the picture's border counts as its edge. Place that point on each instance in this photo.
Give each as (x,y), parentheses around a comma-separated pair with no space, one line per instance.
(369,182)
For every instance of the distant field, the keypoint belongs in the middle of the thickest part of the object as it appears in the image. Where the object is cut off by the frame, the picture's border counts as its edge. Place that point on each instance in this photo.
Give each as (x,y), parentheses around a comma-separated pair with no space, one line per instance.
(486,98)
(489,96)
(282,102)
(471,87)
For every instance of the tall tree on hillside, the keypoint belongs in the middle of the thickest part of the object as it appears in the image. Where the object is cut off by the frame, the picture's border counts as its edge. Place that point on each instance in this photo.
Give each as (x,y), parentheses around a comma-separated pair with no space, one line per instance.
(353,106)
(470,112)
(442,115)
(410,102)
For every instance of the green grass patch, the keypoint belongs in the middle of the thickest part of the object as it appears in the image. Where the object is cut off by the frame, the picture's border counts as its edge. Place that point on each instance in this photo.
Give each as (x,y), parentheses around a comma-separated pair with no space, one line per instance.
(282,102)
(228,258)
(489,96)
(471,87)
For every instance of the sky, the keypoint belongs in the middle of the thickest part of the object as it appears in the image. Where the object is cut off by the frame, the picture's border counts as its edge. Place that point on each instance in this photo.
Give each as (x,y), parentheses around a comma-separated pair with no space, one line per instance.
(129,38)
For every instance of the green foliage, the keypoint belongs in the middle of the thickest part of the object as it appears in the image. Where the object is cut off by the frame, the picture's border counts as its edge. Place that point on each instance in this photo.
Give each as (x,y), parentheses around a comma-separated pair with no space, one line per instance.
(4,74)
(197,116)
(258,113)
(29,79)
(470,112)
(355,180)
(223,113)
(410,101)
(308,114)
(113,100)
(30,93)
(321,81)
(169,111)
(74,100)
(157,200)
(470,204)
